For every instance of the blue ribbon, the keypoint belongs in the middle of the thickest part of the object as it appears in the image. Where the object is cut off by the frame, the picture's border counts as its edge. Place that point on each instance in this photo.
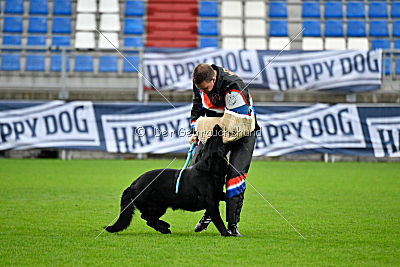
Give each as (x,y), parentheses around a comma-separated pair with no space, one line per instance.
(189,156)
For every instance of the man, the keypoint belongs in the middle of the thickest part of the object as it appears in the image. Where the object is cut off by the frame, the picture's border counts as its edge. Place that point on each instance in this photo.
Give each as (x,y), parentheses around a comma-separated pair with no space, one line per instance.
(216,90)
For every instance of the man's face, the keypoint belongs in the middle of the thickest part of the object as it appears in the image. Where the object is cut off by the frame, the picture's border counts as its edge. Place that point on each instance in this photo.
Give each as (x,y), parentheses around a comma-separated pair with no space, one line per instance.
(206,86)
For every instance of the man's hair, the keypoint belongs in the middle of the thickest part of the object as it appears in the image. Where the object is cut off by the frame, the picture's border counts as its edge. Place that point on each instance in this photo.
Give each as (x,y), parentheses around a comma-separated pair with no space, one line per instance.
(203,72)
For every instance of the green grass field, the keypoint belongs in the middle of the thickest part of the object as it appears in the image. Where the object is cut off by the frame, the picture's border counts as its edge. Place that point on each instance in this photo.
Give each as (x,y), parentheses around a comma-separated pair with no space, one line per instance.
(52,211)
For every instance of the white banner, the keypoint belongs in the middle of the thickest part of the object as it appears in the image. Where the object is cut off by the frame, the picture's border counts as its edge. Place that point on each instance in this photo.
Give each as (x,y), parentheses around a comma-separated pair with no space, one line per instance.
(173,70)
(324,69)
(318,126)
(345,70)
(156,132)
(53,124)
(385,136)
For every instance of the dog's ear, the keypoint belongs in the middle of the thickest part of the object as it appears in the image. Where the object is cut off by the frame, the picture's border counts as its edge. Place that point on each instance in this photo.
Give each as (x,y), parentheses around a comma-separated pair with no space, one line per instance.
(217,131)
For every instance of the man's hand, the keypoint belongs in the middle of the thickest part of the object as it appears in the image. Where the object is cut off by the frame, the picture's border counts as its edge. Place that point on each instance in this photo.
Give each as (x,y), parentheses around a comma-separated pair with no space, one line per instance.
(193,138)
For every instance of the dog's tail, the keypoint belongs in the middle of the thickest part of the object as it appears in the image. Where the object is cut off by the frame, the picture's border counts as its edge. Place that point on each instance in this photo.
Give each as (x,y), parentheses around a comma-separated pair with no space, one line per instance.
(125,216)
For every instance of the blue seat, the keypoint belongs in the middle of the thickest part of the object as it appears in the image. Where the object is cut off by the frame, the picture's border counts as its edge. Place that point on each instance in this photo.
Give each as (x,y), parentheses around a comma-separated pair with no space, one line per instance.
(83,63)
(396,44)
(60,40)
(133,26)
(10,62)
(333,28)
(35,63)
(108,64)
(377,10)
(38,7)
(278,28)
(356,28)
(312,28)
(12,24)
(56,63)
(396,28)
(386,70)
(277,10)
(14,7)
(133,42)
(333,10)
(37,25)
(62,7)
(12,40)
(134,8)
(380,43)
(208,42)
(208,27)
(61,25)
(355,9)
(208,9)
(378,28)
(395,9)
(310,9)
(36,40)
(127,67)
(397,68)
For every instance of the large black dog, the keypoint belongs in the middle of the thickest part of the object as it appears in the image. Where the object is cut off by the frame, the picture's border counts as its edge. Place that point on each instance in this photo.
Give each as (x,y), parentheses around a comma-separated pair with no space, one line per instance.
(201,187)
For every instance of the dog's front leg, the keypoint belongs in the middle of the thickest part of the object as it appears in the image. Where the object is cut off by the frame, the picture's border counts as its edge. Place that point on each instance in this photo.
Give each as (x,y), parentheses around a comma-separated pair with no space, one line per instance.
(217,220)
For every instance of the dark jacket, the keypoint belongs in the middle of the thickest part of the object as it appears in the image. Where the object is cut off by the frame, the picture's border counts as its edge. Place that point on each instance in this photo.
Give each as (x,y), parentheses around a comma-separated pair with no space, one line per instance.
(213,104)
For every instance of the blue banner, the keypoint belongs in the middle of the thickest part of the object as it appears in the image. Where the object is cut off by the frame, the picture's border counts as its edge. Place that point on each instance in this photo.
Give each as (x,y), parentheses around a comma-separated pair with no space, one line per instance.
(350,129)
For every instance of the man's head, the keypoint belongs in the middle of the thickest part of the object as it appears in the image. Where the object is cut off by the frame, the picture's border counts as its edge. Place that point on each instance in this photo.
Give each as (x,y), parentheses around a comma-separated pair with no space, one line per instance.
(204,77)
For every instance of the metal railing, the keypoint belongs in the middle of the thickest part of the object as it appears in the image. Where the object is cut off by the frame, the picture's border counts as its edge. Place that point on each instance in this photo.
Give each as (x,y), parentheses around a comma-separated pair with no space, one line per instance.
(394,66)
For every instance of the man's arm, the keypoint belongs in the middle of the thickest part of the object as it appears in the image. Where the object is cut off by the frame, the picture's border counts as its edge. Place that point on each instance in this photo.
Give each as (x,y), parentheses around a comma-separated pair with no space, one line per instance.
(197,111)
(197,108)
(238,100)
(239,117)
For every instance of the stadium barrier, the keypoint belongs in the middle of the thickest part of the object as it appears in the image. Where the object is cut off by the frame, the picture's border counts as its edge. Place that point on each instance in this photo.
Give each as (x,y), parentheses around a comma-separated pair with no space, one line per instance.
(343,129)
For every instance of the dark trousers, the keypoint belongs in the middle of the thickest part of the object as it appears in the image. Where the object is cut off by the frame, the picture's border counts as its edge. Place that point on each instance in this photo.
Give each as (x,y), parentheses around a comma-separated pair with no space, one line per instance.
(239,164)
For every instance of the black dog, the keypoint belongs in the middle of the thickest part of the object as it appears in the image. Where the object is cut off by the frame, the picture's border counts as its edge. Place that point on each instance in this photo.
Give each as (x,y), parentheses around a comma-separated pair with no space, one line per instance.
(201,187)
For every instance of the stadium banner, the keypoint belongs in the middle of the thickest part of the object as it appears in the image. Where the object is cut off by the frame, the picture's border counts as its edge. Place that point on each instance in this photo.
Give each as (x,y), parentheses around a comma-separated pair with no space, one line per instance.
(350,129)
(51,124)
(336,70)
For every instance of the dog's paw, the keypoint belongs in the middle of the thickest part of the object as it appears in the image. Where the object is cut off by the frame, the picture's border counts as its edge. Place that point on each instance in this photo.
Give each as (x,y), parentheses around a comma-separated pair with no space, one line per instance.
(165,231)
(163,224)
(107,228)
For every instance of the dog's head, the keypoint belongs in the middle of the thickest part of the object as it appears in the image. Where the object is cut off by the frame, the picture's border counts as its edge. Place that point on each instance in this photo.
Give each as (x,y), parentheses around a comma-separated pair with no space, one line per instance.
(215,141)
(213,153)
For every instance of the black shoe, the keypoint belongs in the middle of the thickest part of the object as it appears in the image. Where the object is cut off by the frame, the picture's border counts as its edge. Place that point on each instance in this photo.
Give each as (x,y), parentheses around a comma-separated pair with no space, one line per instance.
(203,223)
(232,228)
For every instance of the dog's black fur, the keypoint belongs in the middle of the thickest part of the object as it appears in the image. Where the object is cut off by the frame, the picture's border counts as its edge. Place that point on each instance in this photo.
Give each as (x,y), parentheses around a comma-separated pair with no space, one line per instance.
(201,187)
